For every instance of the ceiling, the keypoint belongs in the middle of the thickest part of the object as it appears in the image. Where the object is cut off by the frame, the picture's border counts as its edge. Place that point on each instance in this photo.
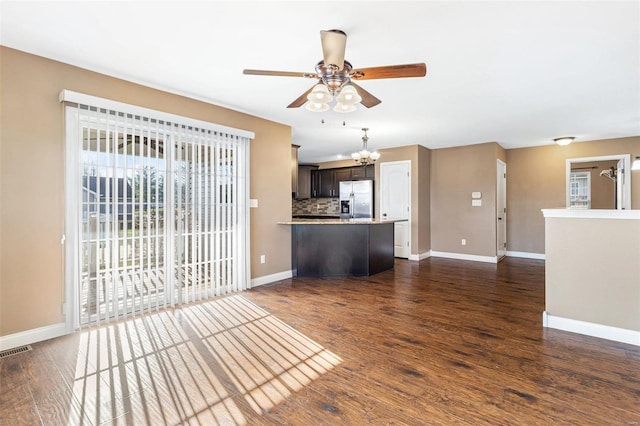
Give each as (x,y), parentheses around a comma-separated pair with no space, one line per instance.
(514,72)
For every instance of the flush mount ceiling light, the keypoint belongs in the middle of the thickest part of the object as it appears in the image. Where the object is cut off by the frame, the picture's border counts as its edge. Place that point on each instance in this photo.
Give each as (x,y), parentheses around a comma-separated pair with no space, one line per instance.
(364,157)
(564,141)
(335,75)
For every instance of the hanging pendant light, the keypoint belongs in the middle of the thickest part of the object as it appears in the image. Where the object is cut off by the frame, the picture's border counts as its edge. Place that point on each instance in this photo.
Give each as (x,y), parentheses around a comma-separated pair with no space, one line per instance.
(364,157)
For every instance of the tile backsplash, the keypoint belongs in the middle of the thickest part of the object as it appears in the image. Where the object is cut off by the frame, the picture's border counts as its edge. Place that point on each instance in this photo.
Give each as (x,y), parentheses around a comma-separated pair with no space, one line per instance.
(329,206)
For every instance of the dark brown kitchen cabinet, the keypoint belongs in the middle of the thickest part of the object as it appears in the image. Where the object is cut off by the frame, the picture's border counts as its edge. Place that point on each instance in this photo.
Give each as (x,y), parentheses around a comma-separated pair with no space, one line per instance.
(294,169)
(340,175)
(363,172)
(325,183)
(304,181)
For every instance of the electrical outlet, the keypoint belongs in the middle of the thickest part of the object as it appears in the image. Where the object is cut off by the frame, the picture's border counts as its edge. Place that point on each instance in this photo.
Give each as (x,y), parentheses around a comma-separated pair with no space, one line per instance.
(263,258)
(463,242)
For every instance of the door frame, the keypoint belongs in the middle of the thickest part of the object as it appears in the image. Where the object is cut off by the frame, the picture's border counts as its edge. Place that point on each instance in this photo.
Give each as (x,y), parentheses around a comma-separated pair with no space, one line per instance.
(501,166)
(409,212)
(627,179)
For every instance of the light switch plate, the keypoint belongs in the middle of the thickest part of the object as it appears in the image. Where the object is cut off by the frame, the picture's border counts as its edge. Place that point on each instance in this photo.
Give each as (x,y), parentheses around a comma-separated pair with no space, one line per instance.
(476,203)
(253,203)
(476,194)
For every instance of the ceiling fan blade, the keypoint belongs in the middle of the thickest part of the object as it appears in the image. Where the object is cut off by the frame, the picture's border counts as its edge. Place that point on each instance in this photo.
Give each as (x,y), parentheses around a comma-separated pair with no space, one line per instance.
(302,99)
(279,73)
(334,43)
(368,99)
(390,71)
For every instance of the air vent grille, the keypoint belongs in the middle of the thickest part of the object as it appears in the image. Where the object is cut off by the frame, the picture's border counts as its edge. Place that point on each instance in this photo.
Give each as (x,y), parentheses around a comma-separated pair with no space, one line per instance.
(15,351)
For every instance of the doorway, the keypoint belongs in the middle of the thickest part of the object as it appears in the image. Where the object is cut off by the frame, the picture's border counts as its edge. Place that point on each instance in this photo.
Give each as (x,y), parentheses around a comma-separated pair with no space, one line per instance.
(599,182)
(395,202)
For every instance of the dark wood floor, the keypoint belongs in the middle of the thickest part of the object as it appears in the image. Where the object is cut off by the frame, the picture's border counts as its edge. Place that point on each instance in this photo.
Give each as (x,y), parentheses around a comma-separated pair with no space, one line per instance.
(435,342)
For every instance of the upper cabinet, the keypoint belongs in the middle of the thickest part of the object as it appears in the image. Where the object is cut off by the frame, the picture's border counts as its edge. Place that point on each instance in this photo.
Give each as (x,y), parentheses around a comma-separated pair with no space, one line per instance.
(300,176)
(325,183)
(294,169)
(363,172)
(340,175)
(304,181)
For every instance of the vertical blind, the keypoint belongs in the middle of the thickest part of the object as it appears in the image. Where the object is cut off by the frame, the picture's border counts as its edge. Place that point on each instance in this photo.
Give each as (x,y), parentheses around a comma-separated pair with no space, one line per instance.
(156,209)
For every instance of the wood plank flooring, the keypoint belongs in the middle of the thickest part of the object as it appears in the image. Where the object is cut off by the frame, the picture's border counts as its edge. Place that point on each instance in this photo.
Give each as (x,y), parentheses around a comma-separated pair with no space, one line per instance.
(435,342)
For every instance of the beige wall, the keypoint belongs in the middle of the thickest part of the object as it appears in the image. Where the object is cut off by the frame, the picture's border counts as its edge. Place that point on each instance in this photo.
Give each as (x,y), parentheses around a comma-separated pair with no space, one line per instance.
(455,174)
(424,200)
(32,180)
(592,271)
(536,179)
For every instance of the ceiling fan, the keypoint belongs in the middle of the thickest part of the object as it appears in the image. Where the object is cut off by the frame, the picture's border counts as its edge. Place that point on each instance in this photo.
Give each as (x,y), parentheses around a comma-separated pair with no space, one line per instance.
(335,77)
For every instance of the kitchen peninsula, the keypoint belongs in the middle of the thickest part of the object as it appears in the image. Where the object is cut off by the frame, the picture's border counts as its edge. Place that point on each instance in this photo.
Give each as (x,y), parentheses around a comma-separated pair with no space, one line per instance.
(340,247)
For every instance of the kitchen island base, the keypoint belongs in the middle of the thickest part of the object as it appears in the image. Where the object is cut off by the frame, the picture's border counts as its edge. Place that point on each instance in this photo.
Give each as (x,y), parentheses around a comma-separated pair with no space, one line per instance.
(328,250)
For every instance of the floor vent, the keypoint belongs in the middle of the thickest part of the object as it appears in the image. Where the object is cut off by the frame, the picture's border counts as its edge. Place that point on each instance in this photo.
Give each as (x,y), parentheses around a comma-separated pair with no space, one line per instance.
(15,351)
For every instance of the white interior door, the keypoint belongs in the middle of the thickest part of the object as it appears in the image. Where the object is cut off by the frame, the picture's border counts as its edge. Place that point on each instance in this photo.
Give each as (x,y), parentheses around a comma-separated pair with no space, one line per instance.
(395,202)
(501,210)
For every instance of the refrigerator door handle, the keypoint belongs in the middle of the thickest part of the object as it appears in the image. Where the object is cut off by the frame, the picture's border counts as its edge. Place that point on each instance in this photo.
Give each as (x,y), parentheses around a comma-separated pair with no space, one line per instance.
(352,205)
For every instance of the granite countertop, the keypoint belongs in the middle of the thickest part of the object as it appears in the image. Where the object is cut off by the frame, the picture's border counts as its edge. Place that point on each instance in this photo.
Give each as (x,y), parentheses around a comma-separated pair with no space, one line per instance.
(338,221)
(315,216)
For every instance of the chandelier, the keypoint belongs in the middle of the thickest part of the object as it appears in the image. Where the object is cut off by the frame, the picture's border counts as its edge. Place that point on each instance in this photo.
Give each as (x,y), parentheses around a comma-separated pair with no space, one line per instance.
(364,157)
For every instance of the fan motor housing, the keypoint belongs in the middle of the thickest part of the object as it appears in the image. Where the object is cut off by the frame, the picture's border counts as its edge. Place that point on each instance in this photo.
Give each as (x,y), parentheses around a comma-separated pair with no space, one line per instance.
(333,77)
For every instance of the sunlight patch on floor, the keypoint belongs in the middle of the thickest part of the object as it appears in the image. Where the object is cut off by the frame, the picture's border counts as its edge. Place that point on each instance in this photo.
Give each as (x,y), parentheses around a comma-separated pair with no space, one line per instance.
(204,362)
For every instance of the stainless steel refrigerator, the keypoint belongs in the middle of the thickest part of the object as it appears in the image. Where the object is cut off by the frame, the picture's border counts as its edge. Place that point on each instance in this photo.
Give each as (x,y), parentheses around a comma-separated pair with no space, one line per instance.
(356,199)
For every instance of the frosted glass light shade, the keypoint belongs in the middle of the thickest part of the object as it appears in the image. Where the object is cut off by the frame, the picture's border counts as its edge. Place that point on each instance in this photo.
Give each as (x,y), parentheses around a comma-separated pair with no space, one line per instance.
(564,141)
(317,106)
(320,94)
(348,95)
(340,107)
(355,156)
(375,155)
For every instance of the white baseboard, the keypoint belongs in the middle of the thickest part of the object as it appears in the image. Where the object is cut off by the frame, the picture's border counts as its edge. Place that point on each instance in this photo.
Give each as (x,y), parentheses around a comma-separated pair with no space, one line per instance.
(419,257)
(461,256)
(616,334)
(267,279)
(525,255)
(32,336)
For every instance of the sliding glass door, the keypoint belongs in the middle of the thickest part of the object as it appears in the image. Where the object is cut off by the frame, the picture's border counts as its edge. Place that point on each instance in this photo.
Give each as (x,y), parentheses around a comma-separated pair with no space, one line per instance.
(156,213)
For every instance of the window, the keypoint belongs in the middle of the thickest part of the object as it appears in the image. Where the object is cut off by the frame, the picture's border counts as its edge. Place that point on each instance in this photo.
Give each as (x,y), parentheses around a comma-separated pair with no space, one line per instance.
(580,190)
(156,209)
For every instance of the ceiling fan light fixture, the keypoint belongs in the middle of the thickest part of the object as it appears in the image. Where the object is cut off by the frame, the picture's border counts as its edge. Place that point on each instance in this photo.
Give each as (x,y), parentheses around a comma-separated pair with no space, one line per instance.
(317,106)
(348,95)
(320,94)
(342,107)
